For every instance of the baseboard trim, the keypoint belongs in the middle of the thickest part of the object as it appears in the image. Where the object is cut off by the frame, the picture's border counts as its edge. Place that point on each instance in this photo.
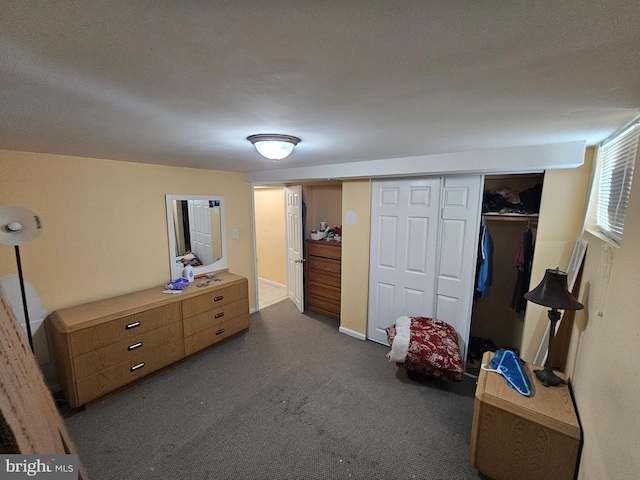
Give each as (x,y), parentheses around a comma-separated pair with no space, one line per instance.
(352,333)
(273,284)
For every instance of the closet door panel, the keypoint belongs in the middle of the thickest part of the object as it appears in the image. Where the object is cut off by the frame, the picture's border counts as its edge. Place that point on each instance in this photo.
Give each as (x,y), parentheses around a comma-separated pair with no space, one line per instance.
(388,227)
(417,245)
(414,300)
(404,238)
(452,254)
(459,225)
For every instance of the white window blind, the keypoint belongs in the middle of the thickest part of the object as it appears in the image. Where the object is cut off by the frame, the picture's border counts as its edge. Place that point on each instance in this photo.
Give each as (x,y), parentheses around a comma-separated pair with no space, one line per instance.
(617,159)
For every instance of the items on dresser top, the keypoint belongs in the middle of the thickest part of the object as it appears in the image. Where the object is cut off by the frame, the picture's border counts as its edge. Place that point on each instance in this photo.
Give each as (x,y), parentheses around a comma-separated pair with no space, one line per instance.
(104,345)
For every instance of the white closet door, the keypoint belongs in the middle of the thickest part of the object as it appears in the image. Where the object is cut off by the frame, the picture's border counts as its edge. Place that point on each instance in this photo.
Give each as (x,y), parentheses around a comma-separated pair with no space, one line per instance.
(404,235)
(459,232)
(293,207)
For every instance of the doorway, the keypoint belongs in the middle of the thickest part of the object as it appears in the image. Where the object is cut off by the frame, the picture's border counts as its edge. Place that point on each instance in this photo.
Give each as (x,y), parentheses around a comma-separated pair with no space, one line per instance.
(271,266)
(322,202)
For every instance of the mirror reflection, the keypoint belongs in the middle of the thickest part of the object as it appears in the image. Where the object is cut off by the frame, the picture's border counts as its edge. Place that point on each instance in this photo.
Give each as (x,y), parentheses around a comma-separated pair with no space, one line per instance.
(196,233)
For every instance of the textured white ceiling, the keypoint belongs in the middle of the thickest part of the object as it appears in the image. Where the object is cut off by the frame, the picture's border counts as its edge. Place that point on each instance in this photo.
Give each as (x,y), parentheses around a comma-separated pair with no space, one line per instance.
(184,83)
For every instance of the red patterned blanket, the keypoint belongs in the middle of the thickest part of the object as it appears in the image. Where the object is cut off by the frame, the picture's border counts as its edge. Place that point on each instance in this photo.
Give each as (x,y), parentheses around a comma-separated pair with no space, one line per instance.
(433,349)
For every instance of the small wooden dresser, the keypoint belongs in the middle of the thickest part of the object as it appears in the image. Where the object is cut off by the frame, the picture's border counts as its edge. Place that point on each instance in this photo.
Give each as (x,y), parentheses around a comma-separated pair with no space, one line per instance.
(104,345)
(524,438)
(323,277)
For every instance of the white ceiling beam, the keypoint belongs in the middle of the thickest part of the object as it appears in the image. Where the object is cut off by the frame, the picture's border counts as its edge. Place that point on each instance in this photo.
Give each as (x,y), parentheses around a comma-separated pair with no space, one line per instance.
(526,159)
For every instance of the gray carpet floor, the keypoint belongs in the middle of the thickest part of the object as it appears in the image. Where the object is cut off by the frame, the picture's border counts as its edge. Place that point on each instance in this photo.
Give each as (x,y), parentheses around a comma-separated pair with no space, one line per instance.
(291,398)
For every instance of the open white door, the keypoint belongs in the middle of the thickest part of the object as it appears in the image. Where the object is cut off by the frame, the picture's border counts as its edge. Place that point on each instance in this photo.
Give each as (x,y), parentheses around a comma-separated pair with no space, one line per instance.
(293,206)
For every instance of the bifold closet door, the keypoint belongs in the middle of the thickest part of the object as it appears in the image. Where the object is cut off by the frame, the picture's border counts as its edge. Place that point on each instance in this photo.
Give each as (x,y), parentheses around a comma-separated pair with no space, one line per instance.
(403,255)
(424,241)
(458,251)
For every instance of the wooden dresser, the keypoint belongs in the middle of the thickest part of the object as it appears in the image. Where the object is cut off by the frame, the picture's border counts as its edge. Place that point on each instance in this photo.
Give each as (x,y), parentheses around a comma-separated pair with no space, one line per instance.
(323,276)
(518,437)
(104,345)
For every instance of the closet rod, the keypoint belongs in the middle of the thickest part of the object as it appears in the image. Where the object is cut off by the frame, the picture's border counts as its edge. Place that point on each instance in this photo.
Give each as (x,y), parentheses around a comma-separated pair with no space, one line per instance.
(510,217)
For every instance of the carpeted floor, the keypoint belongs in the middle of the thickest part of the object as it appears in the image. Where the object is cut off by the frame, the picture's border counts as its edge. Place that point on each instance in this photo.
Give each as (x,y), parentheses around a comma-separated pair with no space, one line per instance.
(291,398)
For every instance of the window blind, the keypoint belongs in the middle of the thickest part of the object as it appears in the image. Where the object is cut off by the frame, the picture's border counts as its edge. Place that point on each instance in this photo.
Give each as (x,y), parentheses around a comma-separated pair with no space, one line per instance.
(617,159)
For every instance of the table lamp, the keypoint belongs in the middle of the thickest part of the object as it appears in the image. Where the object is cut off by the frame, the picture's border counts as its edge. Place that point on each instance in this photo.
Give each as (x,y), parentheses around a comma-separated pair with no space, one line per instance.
(553,293)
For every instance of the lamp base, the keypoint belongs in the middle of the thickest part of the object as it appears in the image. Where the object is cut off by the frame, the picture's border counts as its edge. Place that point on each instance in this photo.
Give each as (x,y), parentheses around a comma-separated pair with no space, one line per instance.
(548,378)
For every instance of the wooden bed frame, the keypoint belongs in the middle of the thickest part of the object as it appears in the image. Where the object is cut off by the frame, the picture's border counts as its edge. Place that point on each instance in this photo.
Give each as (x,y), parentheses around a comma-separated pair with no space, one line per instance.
(29,420)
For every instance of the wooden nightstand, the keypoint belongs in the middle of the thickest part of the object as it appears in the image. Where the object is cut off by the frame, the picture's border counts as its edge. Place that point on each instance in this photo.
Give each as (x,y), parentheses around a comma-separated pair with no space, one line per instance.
(516,437)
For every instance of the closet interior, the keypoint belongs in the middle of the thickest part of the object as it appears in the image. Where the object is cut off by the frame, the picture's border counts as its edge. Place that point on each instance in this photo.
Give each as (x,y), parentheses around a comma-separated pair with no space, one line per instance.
(507,242)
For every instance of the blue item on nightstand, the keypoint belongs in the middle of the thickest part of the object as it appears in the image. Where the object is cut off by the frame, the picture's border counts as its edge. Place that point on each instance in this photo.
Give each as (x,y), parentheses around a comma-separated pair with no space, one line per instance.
(509,365)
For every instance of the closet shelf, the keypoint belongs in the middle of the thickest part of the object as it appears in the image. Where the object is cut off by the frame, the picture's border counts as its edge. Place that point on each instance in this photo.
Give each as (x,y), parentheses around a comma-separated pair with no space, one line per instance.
(510,217)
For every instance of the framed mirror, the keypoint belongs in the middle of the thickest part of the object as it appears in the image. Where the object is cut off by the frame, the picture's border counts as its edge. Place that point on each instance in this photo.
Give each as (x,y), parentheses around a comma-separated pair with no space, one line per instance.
(196,230)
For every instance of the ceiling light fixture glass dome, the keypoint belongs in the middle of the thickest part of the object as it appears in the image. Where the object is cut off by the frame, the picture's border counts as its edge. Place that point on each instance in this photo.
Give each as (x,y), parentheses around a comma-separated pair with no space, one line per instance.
(273,146)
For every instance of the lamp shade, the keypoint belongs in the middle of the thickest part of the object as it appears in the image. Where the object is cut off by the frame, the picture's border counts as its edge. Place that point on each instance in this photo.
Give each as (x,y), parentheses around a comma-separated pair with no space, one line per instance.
(274,146)
(18,225)
(553,292)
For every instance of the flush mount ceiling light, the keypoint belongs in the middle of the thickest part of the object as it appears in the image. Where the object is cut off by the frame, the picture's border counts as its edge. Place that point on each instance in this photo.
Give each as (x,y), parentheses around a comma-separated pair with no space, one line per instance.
(274,146)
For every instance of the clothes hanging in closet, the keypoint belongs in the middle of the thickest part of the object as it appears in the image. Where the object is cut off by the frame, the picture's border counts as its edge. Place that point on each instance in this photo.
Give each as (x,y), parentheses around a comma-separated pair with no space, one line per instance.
(522,263)
(485,260)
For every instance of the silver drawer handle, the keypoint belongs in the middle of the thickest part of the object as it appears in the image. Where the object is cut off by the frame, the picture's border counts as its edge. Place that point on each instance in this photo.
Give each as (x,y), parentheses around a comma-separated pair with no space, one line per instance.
(136,367)
(218,315)
(132,325)
(218,298)
(134,346)
(218,332)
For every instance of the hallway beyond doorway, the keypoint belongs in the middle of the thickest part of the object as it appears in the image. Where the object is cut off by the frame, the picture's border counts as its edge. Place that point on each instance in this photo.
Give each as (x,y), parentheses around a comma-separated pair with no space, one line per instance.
(270,293)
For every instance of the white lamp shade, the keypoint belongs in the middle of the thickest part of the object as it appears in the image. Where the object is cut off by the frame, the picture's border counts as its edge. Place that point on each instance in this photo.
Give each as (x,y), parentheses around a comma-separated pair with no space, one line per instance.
(274,150)
(18,226)
(274,146)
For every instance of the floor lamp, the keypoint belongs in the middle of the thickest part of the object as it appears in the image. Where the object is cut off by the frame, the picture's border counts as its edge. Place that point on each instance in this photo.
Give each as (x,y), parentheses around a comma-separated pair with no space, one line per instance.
(19,226)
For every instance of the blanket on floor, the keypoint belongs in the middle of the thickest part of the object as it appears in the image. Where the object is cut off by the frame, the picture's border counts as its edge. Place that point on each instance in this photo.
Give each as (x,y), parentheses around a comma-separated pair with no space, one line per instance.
(432,348)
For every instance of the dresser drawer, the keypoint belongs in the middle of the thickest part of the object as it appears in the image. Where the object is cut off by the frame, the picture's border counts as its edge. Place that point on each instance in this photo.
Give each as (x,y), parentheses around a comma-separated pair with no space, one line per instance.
(237,324)
(215,316)
(324,265)
(216,333)
(205,339)
(112,378)
(323,304)
(215,299)
(125,328)
(324,249)
(324,291)
(318,277)
(93,362)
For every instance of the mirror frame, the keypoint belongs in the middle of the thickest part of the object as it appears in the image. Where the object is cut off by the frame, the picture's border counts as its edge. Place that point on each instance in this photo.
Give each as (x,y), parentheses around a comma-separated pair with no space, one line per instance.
(213,267)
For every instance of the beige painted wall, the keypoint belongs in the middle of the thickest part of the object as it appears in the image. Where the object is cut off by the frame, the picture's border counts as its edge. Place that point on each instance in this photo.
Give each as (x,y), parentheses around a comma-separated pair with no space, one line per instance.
(324,204)
(356,205)
(105,224)
(605,351)
(565,196)
(271,234)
